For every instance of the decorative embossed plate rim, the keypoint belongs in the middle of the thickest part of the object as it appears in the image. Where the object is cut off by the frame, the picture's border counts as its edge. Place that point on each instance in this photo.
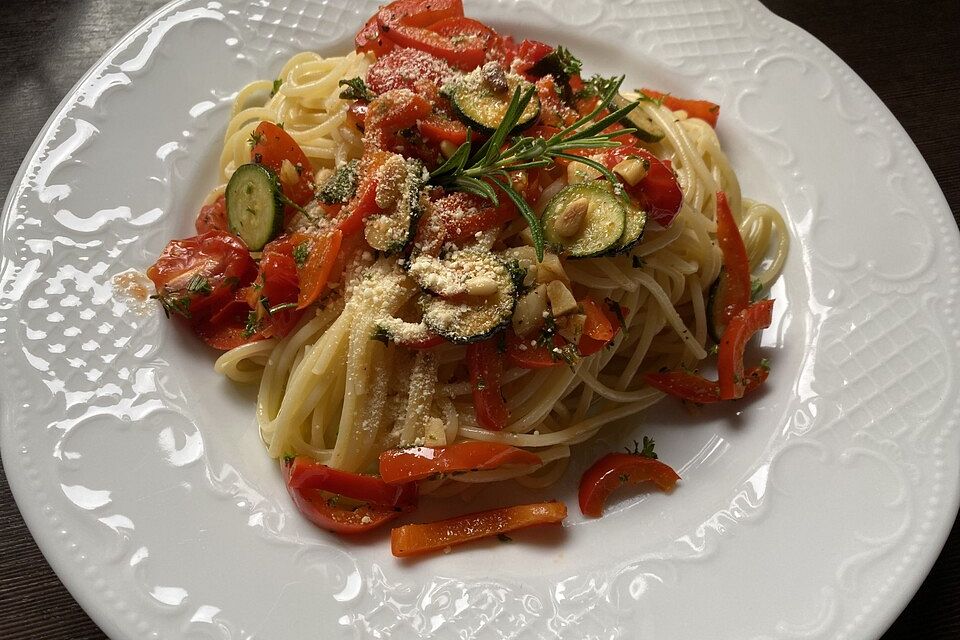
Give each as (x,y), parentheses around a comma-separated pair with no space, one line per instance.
(852,451)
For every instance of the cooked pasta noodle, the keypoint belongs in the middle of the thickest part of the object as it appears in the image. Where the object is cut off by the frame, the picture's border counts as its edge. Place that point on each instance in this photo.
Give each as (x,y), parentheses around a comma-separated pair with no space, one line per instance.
(330,392)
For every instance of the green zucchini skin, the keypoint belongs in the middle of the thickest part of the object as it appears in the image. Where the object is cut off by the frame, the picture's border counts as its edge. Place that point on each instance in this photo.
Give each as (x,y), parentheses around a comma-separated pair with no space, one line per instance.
(635,222)
(463,321)
(342,185)
(397,229)
(481,108)
(646,129)
(602,227)
(254,205)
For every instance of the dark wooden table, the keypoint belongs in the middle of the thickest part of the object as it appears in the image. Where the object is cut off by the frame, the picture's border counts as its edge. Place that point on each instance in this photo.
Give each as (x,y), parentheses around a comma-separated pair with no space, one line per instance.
(906,52)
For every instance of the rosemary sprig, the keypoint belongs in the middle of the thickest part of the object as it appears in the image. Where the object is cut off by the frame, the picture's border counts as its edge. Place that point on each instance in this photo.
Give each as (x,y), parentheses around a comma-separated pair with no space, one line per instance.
(483,171)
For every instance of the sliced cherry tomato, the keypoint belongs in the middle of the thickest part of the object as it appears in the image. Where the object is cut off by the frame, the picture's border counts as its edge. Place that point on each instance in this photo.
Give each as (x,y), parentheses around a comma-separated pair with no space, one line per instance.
(485,365)
(615,470)
(213,216)
(600,327)
(315,273)
(742,326)
(194,277)
(416,539)
(529,53)
(273,145)
(694,388)
(659,192)
(522,354)
(307,473)
(438,129)
(370,39)
(464,215)
(274,297)
(323,510)
(404,68)
(731,292)
(420,463)
(389,113)
(706,111)
(227,328)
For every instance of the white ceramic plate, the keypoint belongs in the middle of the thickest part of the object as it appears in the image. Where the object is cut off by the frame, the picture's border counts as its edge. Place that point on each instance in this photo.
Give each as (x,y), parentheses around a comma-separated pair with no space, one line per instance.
(812,511)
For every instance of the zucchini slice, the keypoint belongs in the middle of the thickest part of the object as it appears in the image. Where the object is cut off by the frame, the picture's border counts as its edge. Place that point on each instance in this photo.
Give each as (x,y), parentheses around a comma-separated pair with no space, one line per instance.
(646,129)
(391,232)
(482,108)
(585,220)
(254,207)
(634,224)
(342,185)
(470,294)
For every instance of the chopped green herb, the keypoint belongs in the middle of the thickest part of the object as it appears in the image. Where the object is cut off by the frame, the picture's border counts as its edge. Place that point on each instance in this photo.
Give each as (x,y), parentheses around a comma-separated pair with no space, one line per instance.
(756,289)
(253,324)
(502,537)
(645,449)
(380,334)
(199,284)
(276,86)
(355,89)
(173,304)
(301,253)
(483,170)
(637,262)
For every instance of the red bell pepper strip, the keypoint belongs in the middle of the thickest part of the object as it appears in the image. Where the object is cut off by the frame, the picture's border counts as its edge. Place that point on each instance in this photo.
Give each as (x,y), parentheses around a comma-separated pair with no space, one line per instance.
(485,365)
(370,39)
(323,510)
(694,388)
(732,381)
(615,470)
(731,293)
(522,354)
(406,22)
(307,473)
(600,327)
(315,273)
(438,129)
(706,111)
(416,539)
(419,463)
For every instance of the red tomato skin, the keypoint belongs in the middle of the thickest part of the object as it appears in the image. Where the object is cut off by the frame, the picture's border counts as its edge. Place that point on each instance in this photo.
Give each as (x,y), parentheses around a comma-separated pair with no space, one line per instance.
(659,193)
(272,146)
(616,469)
(213,216)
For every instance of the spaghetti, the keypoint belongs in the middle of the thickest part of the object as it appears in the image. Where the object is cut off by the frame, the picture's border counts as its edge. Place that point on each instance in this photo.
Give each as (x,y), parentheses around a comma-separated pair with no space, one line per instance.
(330,392)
